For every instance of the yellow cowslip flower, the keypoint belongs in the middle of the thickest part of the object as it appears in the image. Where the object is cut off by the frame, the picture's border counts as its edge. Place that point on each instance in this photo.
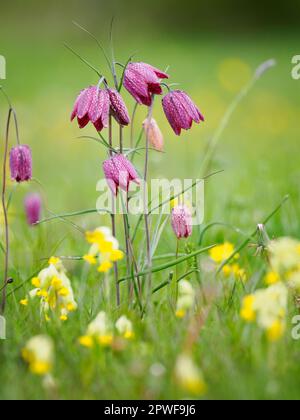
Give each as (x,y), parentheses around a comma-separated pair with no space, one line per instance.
(24,302)
(284,255)
(36,282)
(99,331)
(186,298)
(247,311)
(276,330)
(188,376)
(86,341)
(235,270)
(104,248)
(105,267)
(180,313)
(38,353)
(222,252)
(90,259)
(54,261)
(268,308)
(54,290)
(272,278)
(125,328)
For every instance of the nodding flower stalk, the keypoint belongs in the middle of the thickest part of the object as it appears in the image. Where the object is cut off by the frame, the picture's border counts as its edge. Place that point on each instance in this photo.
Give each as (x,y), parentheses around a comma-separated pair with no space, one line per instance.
(21,171)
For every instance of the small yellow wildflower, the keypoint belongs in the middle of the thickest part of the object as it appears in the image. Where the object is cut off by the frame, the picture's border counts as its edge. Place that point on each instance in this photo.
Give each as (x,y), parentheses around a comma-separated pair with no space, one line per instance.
(86,341)
(54,260)
(124,327)
(222,252)
(276,331)
(116,255)
(39,354)
(247,311)
(99,331)
(90,259)
(271,278)
(42,293)
(64,291)
(188,376)
(36,282)
(180,313)
(105,267)
(104,247)
(105,340)
(24,302)
(63,318)
(55,290)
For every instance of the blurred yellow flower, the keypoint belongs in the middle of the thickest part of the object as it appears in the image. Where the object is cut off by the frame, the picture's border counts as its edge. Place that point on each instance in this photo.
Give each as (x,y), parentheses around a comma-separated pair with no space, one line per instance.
(99,331)
(104,249)
(124,327)
(39,354)
(188,376)
(222,252)
(268,308)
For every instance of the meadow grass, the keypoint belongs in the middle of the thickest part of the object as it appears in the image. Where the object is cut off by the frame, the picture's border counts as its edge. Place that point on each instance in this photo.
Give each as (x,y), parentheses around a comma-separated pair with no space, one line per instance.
(258,153)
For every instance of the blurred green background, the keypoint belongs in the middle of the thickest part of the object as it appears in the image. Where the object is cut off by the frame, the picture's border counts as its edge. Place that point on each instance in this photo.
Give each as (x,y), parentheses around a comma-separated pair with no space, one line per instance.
(212,50)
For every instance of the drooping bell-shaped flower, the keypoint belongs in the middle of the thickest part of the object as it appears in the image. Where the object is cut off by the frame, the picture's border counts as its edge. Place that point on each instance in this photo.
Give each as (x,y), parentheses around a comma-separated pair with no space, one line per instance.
(92,105)
(33,207)
(21,163)
(119,172)
(152,131)
(142,81)
(118,108)
(181,111)
(182,221)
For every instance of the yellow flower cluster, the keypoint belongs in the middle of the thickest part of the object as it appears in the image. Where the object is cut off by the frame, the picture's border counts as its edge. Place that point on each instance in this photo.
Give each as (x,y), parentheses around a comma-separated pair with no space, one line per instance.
(104,249)
(186,298)
(39,354)
(101,331)
(268,308)
(54,289)
(221,253)
(188,375)
(284,256)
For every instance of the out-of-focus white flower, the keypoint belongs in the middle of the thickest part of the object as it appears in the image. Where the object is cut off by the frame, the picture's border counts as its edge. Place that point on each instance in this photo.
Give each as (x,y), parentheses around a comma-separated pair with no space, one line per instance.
(284,255)
(188,375)
(186,298)
(124,327)
(99,331)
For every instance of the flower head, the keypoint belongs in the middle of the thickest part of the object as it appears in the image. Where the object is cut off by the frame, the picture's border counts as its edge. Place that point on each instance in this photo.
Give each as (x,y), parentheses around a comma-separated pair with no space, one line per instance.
(268,308)
(182,221)
(188,375)
(221,252)
(92,105)
(181,111)
(142,81)
(21,163)
(186,298)
(118,108)
(33,206)
(104,249)
(124,327)
(53,288)
(39,354)
(99,331)
(154,134)
(119,172)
